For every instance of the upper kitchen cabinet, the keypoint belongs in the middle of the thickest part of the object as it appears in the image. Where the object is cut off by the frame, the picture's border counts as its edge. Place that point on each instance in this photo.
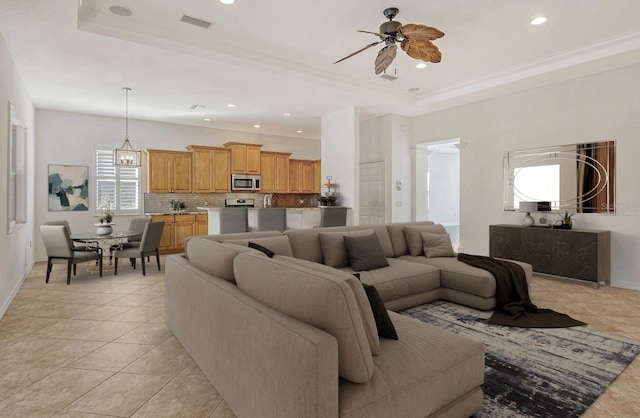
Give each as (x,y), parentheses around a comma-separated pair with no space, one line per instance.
(211,169)
(274,175)
(245,158)
(168,171)
(317,179)
(301,176)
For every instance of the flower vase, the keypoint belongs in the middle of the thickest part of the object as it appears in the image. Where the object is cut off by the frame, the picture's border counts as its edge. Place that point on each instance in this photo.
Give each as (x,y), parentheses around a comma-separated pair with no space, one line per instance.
(104,228)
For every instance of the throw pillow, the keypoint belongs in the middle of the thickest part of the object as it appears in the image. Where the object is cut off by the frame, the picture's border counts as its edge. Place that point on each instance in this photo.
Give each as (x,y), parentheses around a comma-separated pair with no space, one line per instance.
(333,249)
(262,249)
(437,245)
(414,240)
(380,315)
(279,245)
(365,253)
(215,258)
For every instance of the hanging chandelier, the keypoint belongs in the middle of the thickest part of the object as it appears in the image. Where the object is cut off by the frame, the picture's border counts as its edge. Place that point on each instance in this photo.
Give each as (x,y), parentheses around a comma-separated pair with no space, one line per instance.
(127,155)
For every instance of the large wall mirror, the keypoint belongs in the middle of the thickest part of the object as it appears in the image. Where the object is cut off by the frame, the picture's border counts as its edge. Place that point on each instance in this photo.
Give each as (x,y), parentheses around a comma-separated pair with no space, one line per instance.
(577,178)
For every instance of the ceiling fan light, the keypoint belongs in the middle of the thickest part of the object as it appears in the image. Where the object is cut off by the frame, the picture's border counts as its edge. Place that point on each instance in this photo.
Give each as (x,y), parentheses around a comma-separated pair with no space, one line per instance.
(421,65)
(227,1)
(539,20)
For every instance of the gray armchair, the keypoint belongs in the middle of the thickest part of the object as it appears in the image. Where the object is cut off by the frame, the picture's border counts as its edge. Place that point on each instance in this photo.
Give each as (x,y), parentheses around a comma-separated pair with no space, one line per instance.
(272,219)
(60,250)
(149,245)
(135,225)
(333,216)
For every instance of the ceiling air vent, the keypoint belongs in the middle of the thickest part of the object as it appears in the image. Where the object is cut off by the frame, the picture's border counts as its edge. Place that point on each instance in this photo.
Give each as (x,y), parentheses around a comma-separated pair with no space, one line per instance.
(196,107)
(195,21)
(388,77)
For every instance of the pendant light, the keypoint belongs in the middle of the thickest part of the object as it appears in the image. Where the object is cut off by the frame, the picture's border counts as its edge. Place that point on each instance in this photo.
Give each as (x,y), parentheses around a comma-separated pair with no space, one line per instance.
(127,155)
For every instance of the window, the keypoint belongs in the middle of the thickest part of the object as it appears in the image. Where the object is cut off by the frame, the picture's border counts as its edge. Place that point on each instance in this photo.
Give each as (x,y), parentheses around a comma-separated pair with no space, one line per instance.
(16,190)
(116,184)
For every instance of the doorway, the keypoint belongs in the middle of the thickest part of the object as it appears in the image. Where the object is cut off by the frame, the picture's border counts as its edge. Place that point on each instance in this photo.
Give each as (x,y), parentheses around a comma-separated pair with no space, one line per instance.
(438,174)
(372,201)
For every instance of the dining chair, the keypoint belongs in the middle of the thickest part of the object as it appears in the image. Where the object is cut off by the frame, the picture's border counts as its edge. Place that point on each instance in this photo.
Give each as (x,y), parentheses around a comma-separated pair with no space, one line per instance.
(149,244)
(333,216)
(234,220)
(79,244)
(135,225)
(60,250)
(272,219)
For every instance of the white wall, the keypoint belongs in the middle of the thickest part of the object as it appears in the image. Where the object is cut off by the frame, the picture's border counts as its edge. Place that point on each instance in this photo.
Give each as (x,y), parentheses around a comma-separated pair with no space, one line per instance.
(69,138)
(589,109)
(16,248)
(340,153)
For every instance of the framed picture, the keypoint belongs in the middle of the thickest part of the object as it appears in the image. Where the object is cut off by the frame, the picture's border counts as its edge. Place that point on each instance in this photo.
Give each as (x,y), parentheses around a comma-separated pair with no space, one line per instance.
(68,187)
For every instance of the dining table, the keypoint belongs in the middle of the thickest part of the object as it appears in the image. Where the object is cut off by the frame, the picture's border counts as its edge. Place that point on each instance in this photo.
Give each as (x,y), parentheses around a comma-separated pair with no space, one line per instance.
(93,240)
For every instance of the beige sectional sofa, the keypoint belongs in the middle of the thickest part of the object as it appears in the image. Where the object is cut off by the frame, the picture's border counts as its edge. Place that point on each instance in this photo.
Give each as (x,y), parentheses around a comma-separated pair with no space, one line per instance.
(291,337)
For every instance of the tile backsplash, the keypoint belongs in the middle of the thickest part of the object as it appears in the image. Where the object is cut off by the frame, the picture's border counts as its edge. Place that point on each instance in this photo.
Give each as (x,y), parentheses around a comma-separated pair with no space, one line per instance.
(159,202)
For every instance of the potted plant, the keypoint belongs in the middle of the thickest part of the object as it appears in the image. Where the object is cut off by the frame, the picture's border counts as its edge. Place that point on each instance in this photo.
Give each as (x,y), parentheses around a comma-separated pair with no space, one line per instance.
(566,220)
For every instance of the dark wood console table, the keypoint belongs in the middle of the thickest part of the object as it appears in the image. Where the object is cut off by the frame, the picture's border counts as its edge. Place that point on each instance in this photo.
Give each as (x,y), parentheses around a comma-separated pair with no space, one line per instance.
(575,253)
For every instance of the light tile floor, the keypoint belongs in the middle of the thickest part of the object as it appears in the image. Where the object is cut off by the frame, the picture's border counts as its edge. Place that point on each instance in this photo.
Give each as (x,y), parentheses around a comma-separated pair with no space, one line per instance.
(99,347)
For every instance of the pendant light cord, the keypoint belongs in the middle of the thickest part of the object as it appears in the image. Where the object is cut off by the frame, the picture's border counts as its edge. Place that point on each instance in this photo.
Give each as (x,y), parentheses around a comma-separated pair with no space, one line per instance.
(126,112)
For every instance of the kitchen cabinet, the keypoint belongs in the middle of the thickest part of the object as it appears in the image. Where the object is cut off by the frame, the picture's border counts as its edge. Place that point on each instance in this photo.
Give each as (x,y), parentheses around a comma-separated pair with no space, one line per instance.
(274,172)
(245,158)
(211,169)
(168,171)
(177,228)
(317,177)
(301,176)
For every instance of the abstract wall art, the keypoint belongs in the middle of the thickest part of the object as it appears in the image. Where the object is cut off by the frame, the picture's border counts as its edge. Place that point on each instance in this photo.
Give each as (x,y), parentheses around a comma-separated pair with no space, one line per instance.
(68,187)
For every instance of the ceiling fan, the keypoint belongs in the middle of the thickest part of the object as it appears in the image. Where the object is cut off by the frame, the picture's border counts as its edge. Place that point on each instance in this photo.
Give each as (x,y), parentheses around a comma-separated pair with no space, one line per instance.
(414,39)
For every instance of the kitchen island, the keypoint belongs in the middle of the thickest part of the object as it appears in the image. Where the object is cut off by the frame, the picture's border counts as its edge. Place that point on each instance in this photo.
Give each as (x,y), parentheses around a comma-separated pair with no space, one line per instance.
(297,218)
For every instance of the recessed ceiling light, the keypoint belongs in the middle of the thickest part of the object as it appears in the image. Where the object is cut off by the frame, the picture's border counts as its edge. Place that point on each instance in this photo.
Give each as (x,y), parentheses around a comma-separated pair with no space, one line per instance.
(287,114)
(421,65)
(256,126)
(207,119)
(120,11)
(227,1)
(231,105)
(539,20)
(299,132)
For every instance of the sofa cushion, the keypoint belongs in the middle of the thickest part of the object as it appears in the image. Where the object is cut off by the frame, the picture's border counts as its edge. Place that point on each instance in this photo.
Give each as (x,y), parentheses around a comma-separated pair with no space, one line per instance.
(384,324)
(414,240)
(427,369)
(400,278)
(279,245)
(398,240)
(215,258)
(436,245)
(365,253)
(325,302)
(364,305)
(334,251)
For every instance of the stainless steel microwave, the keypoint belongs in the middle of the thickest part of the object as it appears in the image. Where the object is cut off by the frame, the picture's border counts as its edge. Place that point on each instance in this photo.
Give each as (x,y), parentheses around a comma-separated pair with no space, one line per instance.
(245,182)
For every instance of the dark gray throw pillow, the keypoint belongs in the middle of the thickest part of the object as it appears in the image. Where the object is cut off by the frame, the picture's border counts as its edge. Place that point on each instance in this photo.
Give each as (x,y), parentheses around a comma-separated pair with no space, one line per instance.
(384,325)
(365,253)
(259,247)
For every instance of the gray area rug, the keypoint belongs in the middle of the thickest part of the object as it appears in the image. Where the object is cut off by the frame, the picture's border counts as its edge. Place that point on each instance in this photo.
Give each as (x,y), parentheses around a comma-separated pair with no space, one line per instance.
(534,372)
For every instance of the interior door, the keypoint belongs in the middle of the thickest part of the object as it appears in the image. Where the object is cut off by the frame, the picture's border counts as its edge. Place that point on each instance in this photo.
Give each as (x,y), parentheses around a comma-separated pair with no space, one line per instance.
(372,208)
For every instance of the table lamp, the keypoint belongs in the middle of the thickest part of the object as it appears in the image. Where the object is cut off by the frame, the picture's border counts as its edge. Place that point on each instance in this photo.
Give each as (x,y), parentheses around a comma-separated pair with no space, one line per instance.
(528,207)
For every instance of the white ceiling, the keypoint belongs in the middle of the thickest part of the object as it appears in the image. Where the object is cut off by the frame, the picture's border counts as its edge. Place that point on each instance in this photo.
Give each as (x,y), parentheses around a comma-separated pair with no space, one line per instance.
(271,57)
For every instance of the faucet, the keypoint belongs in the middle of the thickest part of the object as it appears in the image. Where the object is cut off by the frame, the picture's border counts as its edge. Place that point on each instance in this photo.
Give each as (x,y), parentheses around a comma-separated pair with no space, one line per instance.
(267,200)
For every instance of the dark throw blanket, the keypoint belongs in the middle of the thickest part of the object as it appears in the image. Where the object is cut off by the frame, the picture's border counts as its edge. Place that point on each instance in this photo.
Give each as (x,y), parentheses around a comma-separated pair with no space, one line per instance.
(513,305)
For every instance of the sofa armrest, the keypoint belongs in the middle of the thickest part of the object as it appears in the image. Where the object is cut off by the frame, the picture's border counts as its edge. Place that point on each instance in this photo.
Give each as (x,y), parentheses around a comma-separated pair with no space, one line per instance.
(262,362)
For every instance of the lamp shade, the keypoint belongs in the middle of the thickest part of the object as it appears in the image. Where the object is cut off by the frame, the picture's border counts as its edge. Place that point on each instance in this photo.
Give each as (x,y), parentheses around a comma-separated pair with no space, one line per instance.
(528,207)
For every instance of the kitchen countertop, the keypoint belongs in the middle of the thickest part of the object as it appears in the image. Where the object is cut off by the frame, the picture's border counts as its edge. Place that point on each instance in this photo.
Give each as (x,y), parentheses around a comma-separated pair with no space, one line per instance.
(213,208)
(188,212)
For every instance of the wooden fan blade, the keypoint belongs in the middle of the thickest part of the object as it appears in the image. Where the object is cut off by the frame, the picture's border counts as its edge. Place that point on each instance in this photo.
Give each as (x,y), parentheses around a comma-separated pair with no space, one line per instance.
(385,57)
(382,35)
(420,33)
(358,51)
(425,51)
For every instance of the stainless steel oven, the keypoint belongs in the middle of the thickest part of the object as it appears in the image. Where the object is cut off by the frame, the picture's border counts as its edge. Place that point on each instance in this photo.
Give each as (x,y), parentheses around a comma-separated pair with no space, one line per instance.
(245,182)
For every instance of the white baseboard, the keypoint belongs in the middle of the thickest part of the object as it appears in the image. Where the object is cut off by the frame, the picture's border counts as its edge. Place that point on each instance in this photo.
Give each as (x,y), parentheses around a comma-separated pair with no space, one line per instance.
(15,290)
(626,285)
